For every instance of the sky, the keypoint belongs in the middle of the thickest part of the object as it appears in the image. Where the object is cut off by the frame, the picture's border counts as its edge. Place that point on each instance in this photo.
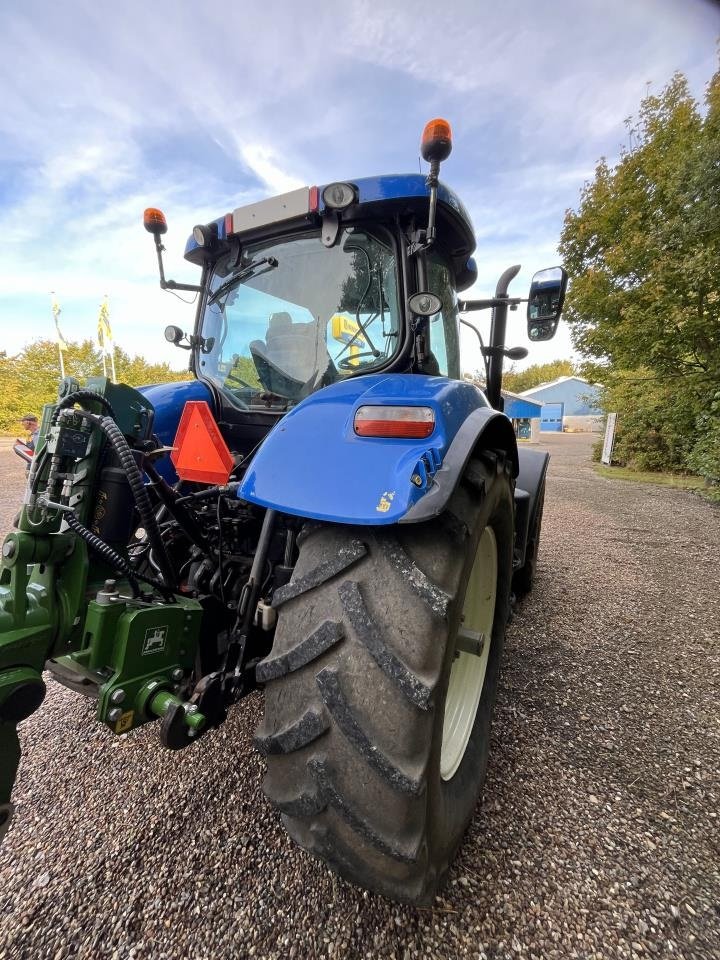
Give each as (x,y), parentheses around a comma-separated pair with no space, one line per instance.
(109,108)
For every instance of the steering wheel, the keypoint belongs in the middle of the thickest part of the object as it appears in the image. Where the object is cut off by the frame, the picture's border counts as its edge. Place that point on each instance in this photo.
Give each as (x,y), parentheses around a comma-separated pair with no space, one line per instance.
(348,363)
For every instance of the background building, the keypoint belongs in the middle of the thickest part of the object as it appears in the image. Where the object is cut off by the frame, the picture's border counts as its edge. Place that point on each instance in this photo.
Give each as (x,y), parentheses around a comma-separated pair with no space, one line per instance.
(568,403)
(524,413)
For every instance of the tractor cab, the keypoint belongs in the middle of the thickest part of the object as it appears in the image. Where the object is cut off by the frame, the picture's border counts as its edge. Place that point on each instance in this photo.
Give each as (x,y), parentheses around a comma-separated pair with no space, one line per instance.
(324,284)
(311,288)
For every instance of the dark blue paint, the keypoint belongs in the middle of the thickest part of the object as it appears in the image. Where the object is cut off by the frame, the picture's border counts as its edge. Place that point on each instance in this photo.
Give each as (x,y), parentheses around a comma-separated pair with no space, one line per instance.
(405,186)
(169,401)
(312,464)
(391,187)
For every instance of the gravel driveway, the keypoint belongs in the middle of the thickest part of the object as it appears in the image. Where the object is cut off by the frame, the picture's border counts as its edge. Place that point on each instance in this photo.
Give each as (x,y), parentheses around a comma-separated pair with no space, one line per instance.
(599,831)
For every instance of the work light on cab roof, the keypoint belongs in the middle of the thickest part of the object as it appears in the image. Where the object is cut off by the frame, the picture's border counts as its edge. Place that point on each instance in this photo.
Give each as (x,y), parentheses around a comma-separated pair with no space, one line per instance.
(339,196)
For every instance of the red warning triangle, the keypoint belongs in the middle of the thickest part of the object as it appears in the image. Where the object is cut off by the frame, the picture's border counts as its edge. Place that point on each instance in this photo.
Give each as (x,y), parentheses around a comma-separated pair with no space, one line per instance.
(199,451)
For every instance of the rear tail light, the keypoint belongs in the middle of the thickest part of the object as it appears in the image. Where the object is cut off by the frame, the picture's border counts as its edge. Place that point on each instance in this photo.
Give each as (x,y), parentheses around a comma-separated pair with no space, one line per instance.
(391,421)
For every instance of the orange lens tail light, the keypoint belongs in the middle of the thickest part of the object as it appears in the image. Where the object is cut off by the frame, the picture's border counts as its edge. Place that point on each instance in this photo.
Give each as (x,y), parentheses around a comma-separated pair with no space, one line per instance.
(154,220)
(414,423)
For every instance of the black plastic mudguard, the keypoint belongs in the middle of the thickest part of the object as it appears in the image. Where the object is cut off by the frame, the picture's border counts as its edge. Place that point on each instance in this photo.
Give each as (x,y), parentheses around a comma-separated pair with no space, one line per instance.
(484,429)
(533,465)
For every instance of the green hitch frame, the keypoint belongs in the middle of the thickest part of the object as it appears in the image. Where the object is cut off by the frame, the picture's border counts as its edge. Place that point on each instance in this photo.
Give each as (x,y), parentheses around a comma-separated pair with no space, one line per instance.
(60,608)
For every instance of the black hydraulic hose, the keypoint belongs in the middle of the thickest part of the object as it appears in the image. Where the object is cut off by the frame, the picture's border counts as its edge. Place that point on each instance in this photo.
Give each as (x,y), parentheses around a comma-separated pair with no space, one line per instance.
(107,553)
(139,491)
(79,396)
(175,506)
(82,396)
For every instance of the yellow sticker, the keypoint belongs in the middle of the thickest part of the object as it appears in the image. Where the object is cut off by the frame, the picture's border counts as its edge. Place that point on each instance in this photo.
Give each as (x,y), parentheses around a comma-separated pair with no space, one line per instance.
(125,722)
(385,501)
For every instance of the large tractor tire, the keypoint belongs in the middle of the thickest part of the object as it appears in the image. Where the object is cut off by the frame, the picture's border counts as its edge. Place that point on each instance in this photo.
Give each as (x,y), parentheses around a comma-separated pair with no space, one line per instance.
(376,725)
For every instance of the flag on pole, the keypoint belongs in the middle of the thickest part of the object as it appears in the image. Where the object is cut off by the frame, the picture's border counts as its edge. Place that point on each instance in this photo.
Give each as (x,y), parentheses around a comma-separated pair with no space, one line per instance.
(56,311)
(105,337)
(104,330)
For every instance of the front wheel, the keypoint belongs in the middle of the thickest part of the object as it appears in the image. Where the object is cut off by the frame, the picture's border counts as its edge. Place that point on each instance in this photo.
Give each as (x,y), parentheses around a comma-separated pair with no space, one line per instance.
(381,685)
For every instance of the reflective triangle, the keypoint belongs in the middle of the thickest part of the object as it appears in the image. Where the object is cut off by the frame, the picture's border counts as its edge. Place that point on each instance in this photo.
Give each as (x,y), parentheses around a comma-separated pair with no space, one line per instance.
(199,451)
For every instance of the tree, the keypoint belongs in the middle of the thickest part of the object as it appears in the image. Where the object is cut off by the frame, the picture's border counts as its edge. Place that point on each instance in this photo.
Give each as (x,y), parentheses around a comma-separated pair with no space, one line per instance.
(29,380)
(518,380)
(643,254)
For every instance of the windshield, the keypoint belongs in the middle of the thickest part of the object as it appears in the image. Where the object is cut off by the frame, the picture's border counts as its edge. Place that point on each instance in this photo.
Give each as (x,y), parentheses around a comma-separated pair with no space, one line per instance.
(293,315)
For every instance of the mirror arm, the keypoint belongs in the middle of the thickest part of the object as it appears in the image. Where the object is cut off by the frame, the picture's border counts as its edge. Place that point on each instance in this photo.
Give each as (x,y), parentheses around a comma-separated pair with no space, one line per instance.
(465,306)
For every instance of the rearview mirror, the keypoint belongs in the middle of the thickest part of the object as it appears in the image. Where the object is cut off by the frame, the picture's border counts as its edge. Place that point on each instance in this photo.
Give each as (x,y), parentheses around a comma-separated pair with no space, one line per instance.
(545,303)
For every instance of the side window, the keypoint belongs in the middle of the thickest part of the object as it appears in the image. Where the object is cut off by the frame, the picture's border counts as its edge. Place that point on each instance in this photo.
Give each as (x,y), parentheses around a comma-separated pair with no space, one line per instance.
(444,332)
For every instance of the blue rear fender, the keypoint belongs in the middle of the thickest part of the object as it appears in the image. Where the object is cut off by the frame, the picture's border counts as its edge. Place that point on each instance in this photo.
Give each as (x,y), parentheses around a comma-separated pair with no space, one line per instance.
(314,465)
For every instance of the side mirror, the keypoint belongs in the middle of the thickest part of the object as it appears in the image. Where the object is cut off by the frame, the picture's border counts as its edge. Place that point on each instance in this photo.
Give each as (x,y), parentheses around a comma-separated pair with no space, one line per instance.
(545,303)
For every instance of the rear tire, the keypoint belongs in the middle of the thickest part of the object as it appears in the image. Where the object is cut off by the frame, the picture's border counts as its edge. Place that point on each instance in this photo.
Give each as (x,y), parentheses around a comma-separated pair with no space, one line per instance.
(358,680)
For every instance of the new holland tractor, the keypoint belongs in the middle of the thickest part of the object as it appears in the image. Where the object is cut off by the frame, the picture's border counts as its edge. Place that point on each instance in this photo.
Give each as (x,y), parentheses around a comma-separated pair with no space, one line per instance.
(327,512)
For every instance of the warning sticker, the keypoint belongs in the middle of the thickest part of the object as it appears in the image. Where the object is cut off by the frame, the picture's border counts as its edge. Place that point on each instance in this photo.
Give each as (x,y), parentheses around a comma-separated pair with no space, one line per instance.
(154,641)
(125,722)
(385,501)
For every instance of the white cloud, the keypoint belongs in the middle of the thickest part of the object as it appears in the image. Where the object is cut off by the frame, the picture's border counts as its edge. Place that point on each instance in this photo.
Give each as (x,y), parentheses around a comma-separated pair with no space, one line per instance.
(264,163)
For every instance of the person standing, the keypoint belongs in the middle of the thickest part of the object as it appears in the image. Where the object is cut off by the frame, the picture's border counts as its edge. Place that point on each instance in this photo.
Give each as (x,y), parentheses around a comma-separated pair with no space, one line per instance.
(31,426)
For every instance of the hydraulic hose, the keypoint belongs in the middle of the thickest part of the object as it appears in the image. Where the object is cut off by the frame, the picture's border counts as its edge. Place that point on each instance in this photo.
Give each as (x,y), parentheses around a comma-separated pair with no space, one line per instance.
(113,557)
(107,553)
(137,486)
(79,396)
(83,396)
(139,491)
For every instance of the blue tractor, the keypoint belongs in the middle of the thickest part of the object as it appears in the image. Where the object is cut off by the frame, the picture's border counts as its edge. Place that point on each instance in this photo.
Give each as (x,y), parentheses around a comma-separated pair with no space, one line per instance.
(328,511)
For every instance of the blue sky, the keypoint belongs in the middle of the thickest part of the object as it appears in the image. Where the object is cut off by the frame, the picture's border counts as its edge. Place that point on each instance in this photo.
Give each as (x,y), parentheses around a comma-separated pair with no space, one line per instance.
(198,108)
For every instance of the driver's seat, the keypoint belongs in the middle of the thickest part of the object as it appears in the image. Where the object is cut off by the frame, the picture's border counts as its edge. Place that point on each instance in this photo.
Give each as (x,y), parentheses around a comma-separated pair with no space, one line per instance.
(293,356)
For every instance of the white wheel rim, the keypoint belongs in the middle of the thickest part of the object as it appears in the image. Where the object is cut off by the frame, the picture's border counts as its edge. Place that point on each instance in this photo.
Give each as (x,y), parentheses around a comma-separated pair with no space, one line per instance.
(467,675)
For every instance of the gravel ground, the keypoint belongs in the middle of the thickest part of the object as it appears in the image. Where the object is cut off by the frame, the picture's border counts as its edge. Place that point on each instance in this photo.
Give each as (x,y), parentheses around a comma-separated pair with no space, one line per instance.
(598,835)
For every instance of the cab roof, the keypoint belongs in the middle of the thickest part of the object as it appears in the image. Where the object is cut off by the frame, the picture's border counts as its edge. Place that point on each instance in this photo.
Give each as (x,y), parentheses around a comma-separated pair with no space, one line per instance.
(377,197)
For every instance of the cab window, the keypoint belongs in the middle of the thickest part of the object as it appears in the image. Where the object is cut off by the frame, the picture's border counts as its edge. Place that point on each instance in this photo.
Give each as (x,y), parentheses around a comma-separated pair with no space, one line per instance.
(444,330)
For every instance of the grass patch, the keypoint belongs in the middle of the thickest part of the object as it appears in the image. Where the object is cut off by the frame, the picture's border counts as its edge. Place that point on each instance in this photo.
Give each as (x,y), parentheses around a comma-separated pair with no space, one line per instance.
(679,480)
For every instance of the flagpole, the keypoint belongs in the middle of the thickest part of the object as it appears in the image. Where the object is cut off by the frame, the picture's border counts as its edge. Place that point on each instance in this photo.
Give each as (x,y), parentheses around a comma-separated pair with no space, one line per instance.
(111,339)
(55,309)
(105,336)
